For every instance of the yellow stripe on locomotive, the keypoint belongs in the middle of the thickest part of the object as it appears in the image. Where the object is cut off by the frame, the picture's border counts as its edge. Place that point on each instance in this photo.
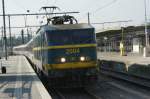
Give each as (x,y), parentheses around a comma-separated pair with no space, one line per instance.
(64,46)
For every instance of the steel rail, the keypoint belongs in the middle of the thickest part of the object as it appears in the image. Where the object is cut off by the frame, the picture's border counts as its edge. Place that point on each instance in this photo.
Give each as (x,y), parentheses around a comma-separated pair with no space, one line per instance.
(59,94)
(92,95)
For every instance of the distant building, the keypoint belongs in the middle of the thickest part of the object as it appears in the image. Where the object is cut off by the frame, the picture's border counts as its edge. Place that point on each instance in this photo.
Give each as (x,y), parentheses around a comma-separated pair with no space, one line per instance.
(133,39)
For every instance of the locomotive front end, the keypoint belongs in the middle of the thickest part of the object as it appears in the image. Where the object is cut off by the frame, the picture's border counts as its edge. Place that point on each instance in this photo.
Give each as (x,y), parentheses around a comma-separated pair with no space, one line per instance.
(72,55)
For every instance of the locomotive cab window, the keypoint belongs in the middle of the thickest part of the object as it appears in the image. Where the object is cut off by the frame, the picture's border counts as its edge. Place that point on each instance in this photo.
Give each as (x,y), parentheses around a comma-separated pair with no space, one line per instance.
(70,37)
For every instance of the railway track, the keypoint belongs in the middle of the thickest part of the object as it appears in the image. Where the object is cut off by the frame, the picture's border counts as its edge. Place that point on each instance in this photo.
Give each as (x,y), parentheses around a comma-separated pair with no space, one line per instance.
(92,95)
(57,94)
(79,93)
(140,81)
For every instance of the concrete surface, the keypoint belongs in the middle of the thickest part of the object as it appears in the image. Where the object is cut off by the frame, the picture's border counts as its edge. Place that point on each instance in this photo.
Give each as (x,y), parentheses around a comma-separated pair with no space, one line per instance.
(20,81)
(130,59)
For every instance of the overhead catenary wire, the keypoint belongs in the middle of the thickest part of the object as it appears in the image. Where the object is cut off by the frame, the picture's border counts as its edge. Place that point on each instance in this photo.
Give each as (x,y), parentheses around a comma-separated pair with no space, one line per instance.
(104,6)
(34,14)
(98,9)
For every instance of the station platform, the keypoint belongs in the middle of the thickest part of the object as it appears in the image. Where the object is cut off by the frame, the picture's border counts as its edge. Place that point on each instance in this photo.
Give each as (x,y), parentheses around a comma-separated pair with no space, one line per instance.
(132,64)
(20,80)
(129,59)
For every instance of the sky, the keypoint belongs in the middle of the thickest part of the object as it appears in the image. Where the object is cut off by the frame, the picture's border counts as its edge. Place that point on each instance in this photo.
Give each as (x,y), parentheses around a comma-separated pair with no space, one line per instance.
(100,11)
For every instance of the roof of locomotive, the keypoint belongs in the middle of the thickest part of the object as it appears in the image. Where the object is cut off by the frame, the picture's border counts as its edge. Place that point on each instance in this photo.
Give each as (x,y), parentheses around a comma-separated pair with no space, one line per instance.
(67,26)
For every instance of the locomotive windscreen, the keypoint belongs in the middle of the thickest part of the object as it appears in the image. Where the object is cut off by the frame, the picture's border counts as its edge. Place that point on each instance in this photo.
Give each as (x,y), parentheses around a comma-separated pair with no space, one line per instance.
(77,36)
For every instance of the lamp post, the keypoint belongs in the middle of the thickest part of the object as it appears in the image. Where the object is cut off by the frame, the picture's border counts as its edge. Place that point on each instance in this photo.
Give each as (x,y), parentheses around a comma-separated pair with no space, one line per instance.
(88,18)
(122,46)
(146,49)
(146,33)
(105,39)
(3,68)
(10,38)
(5,39)
(27,26)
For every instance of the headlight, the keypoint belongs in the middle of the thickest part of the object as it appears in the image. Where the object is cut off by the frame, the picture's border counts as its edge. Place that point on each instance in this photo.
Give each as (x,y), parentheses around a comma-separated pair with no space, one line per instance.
(82,58)
(63,59)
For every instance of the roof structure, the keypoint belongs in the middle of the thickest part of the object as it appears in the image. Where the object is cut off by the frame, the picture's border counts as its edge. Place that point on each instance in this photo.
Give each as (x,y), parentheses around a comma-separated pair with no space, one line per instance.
(127,30)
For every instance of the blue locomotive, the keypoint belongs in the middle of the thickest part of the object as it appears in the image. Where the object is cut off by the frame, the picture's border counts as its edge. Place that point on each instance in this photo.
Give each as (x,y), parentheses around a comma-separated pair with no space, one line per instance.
(64,52)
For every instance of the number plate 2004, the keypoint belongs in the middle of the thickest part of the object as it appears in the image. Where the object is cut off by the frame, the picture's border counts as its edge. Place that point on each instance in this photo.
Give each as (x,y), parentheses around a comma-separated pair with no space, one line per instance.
(72,51)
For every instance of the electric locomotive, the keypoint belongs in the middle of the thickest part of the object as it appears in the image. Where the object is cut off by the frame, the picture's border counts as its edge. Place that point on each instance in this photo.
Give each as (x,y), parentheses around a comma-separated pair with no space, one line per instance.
(64,52)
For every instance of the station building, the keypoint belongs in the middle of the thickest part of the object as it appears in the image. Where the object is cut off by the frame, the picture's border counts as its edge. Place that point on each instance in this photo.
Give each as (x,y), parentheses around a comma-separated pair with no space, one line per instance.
(133,38)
